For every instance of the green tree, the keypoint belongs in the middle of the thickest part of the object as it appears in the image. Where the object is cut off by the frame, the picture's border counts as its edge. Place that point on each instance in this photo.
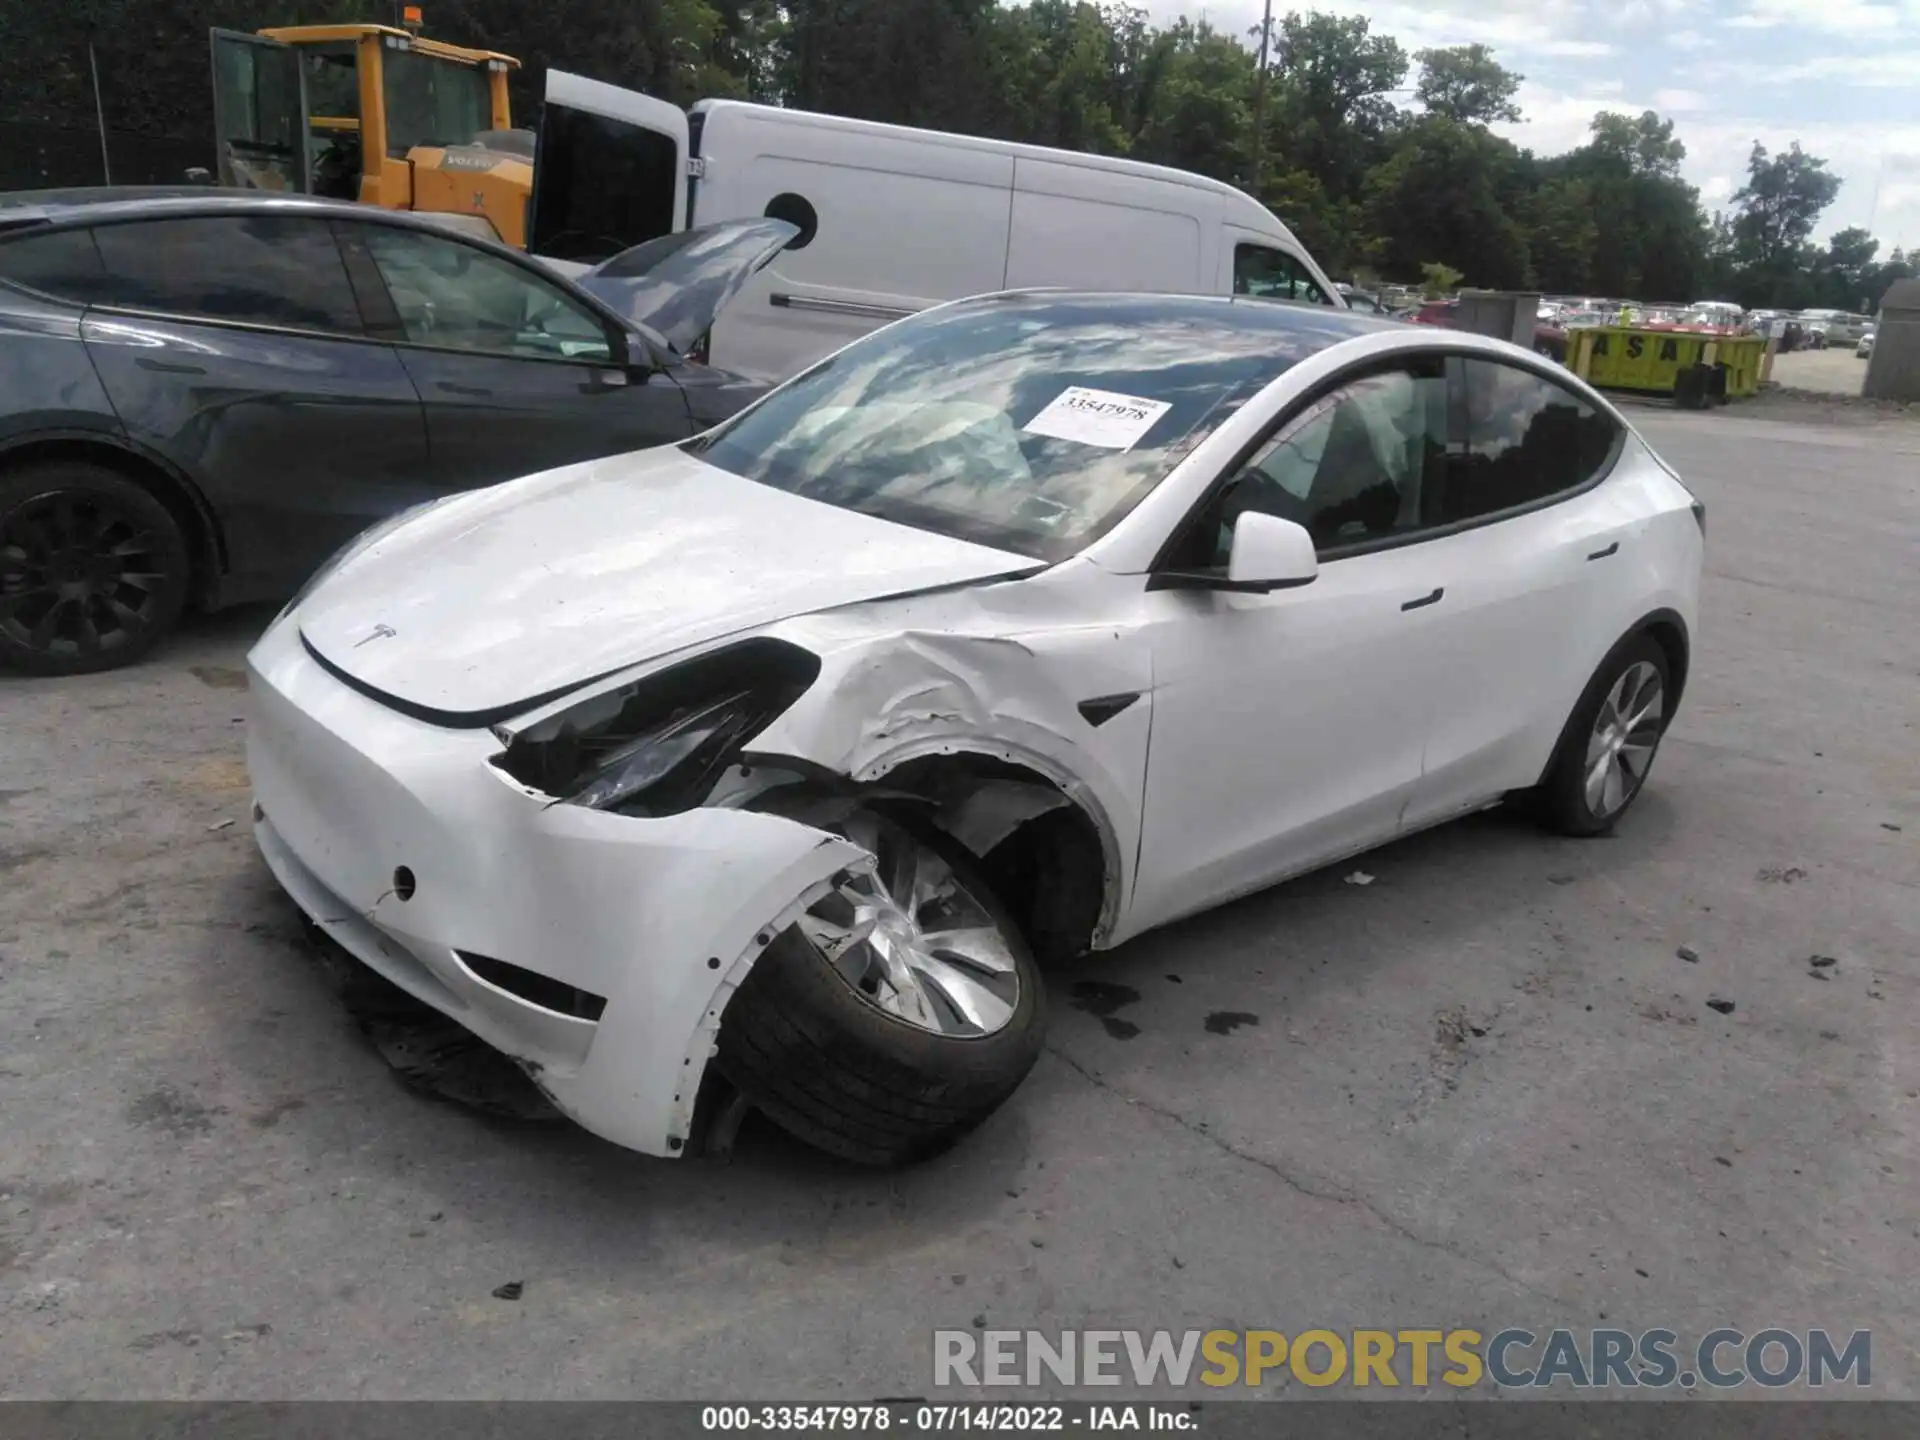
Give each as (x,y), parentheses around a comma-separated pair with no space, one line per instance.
(1436,198)
(1782,201)
(1200,115)
(916,62)
(1359,178)
(1465,83)
(1328,106)
(1846,267)
(1561,235)
(1650,238)
(1645,143)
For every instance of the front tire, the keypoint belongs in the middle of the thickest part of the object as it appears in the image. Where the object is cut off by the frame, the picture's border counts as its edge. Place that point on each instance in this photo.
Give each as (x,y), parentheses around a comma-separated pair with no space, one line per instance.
(898,1013)
(93,569)
(1610,741)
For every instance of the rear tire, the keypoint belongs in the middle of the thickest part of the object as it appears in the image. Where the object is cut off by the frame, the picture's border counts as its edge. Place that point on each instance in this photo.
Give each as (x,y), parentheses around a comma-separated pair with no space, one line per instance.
(1610,741)
(810,1039)
(93,569)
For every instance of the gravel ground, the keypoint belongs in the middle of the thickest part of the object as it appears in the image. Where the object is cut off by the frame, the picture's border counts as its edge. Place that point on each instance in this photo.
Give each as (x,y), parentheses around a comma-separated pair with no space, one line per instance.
(1484,1090)
(1833,371)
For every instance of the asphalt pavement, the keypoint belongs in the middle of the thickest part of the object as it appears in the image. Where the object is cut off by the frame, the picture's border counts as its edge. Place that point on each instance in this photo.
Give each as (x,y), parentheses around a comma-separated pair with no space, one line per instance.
(1486,1089)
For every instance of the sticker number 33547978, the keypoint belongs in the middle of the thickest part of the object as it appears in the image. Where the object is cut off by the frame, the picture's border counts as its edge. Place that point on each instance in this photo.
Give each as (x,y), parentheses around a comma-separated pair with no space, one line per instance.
(1097,417)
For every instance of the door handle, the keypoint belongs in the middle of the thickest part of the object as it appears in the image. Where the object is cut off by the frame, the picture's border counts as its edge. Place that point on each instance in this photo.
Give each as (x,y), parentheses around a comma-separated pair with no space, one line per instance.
(1425,600)
(1613,549)
(170,367)
(452,389)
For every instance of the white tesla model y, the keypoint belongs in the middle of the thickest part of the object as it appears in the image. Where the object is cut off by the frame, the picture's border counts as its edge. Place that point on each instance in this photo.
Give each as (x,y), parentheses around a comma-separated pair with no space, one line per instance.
(762,767)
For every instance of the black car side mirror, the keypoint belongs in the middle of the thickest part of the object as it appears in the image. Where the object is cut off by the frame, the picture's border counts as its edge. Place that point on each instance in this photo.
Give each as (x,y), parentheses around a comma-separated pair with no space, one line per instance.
(632,352)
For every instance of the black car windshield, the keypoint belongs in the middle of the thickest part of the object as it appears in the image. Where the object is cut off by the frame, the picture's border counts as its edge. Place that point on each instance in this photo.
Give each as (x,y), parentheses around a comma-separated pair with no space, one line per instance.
(1031,422)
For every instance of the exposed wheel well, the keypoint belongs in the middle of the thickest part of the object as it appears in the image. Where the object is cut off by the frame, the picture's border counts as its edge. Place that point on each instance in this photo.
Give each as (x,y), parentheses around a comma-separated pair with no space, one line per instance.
(1049,868)
(1670,633)
(186,506)
(1667,630)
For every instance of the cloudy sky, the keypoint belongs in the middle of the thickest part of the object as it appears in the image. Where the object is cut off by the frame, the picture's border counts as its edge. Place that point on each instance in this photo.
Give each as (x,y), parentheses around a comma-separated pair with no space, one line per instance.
(1840,76)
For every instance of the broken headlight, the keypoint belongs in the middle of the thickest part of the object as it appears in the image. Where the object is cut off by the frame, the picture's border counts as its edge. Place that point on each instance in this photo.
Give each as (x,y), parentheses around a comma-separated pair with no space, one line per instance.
(658,745)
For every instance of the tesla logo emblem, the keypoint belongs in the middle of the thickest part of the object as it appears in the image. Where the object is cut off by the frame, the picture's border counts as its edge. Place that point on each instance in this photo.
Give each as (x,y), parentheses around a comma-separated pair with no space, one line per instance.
(379,632)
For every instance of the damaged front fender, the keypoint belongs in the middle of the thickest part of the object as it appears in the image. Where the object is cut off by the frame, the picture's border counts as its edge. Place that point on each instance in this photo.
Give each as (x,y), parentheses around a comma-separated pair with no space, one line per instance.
(711,905)
(884,701)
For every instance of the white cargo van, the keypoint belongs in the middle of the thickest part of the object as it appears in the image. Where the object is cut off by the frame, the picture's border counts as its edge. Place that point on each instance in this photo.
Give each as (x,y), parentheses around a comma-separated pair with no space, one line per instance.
(891,219)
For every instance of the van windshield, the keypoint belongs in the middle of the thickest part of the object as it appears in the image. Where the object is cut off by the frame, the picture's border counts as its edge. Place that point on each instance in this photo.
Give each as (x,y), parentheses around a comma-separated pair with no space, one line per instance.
(1031,423)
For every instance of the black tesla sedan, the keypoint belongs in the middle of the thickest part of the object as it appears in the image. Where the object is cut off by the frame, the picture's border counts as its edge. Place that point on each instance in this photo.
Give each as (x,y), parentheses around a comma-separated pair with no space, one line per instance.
(203,395)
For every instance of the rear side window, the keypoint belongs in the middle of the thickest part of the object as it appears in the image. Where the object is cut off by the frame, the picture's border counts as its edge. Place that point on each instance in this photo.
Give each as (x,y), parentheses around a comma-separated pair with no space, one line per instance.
(1269,274)
(62,263)
(1527,441)
(256,269)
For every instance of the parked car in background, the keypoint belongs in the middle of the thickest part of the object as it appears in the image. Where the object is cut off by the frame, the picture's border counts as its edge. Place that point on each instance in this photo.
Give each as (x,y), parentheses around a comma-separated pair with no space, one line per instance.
(1365,301)
(770,766)
(1720,314)
(1835,327)
(202,397)
(1865,348)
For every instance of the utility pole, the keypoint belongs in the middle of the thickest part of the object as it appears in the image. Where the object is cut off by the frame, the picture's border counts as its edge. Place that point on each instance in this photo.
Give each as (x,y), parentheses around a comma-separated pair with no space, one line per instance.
(1260,97)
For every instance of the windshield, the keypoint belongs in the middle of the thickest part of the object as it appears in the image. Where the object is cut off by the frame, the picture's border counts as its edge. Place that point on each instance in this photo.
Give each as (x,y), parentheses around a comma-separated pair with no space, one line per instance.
(1032,423)
(432,101)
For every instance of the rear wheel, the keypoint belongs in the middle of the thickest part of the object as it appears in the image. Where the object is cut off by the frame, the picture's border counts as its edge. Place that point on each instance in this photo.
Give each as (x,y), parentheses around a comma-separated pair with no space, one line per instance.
(897,1013)
(93,569)
(1609,744)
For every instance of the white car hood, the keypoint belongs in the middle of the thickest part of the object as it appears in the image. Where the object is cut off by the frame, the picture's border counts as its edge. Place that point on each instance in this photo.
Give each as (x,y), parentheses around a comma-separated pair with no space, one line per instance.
(501,598)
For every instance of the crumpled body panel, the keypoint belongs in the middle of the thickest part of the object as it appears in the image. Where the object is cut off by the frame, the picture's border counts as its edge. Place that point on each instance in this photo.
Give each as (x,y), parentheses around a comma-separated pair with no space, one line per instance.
(959,673)
(661,918)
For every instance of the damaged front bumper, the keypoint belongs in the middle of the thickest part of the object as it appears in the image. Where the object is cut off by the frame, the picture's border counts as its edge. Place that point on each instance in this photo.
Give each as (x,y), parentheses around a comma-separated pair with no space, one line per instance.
(597,949)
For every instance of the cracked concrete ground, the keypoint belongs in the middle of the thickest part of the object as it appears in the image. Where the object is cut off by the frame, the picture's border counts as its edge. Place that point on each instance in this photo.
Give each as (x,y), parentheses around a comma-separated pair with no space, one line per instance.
(1483,1090)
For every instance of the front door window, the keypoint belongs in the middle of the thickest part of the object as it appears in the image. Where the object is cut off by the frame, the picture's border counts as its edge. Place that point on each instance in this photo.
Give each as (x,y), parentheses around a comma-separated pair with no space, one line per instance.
(458,297)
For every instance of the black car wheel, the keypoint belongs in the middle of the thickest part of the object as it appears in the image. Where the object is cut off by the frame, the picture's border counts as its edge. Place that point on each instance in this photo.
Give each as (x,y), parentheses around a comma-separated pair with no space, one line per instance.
(898,1013)
(1610,741)
(93,569)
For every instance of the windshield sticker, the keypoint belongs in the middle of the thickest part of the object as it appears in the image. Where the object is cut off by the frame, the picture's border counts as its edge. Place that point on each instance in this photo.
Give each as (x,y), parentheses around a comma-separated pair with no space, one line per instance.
(1097,417)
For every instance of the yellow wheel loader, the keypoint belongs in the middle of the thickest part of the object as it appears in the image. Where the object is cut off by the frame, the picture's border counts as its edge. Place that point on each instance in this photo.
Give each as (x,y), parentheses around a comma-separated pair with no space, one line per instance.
(377,114)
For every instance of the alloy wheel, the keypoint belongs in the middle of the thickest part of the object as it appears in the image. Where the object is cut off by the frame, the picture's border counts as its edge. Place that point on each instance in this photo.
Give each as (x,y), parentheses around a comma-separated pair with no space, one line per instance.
(1625,734)
(78,575)
(912,938)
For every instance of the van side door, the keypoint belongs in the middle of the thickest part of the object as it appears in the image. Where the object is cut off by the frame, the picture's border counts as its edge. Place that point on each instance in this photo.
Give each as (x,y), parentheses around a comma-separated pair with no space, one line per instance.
(890,224)
(1091,228)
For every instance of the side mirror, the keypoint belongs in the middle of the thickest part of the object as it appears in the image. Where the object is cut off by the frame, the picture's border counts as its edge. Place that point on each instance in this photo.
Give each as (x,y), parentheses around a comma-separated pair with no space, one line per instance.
(1269,553)
(639,355)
